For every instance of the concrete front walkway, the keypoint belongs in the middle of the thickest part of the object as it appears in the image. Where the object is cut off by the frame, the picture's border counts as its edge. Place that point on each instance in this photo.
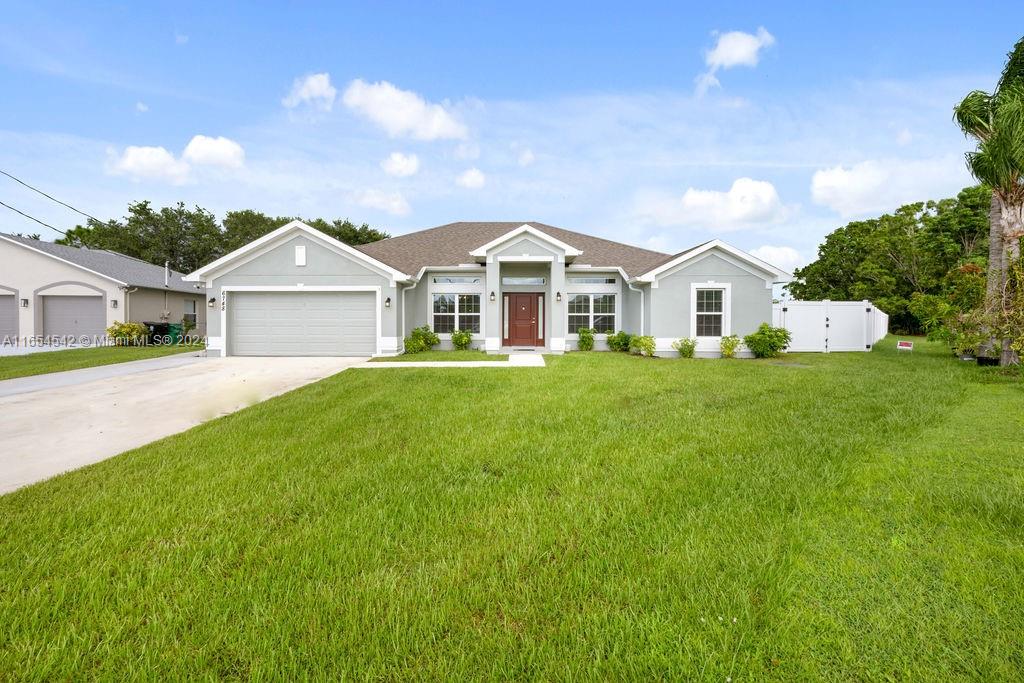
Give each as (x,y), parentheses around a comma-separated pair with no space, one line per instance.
(55,380)
(520,360)
(52,429)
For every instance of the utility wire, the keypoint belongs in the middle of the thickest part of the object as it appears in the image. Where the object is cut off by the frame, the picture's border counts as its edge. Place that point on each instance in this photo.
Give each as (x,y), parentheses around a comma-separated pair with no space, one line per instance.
(33,218)
(50,197)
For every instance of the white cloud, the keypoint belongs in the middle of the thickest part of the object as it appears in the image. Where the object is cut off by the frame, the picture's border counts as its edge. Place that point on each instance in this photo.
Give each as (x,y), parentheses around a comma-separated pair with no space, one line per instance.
(878,186)
(180,38)
(786,258)
(149,163)
(389,202)
(473,179)
(314,89)
(402,113)
(141,107)
(526,157)
(218,151)
(747,203)
(734,48)
(401,165)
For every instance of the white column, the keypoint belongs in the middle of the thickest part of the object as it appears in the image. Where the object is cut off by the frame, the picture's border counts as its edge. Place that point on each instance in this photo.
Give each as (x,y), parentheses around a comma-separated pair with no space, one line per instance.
(492,319)
(557,337)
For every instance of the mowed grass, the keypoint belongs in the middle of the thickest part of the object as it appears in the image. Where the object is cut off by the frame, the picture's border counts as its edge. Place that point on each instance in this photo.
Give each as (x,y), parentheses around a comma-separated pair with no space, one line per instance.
(843,517)
(75,359)
(437,355)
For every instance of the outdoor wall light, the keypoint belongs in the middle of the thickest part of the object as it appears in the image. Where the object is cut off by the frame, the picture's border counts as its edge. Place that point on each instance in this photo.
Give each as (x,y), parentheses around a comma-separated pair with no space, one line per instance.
(212,301)
(387,302)
(558,296)
(113,303)
(492,296)
(24,303)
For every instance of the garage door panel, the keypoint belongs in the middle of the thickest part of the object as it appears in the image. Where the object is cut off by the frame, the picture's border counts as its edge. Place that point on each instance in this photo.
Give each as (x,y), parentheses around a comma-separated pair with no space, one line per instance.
(302,323)
(65,316)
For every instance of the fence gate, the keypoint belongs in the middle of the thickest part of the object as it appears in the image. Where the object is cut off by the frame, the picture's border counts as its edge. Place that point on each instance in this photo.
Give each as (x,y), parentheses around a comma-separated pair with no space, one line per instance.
(828,326)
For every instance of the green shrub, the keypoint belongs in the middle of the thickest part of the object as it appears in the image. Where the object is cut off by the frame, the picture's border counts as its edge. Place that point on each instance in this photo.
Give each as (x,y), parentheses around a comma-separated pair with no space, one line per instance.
(586,340)
(641,346)
(421,339)
(619,341)
(729,346)
(461,339)
(768,341)
(128,334)
(685,346)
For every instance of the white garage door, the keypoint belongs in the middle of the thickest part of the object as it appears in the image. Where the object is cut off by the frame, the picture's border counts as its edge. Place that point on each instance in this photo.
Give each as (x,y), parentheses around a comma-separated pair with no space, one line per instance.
(302,323)
(66,316)
(8,316)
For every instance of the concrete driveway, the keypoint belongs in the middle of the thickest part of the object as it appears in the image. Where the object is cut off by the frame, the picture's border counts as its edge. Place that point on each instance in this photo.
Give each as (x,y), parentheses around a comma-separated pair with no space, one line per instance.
(53,423)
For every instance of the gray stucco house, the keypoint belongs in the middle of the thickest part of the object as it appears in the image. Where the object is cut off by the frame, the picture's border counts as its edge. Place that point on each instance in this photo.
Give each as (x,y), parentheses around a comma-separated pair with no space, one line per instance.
(55,292)
(297,291)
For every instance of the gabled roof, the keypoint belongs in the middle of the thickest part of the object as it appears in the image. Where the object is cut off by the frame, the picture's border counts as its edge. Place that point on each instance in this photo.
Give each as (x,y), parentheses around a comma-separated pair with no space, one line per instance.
(452,244)
(528,230)
(285,230)
(124,270)
(774,274)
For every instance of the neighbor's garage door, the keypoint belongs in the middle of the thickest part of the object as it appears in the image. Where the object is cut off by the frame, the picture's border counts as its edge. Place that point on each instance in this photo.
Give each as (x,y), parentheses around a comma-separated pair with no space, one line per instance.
(302,323)
(8,316)
(65,316)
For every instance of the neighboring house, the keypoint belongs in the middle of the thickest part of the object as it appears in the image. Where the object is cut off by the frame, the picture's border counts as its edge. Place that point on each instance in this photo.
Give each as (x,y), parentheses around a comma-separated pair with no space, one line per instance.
(297,291)
(51,290)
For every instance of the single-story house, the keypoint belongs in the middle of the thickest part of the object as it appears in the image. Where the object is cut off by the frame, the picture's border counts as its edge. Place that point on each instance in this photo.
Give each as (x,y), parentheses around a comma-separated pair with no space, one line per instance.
(53,291)
(297,291)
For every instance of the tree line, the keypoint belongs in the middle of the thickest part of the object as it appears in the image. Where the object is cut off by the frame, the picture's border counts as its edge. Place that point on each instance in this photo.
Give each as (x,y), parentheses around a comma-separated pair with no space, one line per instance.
(190,238)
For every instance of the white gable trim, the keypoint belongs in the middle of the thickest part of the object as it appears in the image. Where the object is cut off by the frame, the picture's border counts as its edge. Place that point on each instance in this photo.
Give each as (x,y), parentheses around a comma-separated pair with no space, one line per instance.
(234,259)
(64,261)
(528,230)
(740,258)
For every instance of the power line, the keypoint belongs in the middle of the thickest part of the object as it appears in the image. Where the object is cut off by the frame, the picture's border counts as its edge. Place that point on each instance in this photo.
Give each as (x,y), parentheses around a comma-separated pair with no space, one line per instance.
(33,218)
(48,196)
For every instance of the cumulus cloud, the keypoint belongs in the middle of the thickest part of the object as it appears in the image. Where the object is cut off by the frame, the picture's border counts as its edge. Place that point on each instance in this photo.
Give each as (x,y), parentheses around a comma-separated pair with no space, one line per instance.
(314,90)
(747,203)
(141,107)
(402,113)
(218,151)
(884,185)
(149,163)
(733,48)
(401,165)
(472,179)
(786,258)
(526,157)
(389,202)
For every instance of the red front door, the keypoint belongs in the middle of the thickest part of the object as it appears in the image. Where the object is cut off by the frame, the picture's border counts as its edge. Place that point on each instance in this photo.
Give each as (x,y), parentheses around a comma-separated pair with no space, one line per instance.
(524,323)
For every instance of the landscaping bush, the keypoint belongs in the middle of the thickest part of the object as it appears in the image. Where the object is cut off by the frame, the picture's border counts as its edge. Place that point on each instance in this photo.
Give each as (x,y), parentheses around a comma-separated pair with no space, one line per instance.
(461,339)
(729,346)
(768,341)
(128,334)
(641,345)
(685,347)
(421,339)
(619,341)
(586,340)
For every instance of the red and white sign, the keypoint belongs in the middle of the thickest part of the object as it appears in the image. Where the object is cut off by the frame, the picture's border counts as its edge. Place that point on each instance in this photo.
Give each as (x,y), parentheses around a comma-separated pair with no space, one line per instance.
(904,345)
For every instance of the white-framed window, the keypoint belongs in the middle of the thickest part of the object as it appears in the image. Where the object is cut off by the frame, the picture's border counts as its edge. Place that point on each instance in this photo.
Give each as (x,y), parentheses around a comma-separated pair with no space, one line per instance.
(590,280)
(456,312)
(189,311)
(457,280)
(596,311)
(522,280)
(710,309)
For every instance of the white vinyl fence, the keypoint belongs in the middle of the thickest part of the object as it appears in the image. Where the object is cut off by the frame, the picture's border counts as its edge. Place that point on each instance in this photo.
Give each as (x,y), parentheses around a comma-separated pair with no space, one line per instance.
(831,325)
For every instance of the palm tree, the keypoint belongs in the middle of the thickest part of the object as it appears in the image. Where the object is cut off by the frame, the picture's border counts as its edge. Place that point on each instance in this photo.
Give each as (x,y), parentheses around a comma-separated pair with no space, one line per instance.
(996,121)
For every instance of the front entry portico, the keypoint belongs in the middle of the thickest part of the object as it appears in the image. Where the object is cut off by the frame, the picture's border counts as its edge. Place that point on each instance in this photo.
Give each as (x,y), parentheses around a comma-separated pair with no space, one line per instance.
(523,322)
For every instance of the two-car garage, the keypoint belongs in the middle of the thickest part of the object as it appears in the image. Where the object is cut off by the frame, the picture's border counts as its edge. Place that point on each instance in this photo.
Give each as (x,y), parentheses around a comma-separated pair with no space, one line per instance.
(309,323)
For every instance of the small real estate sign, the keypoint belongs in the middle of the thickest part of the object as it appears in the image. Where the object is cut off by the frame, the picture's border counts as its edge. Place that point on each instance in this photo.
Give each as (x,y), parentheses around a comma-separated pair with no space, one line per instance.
(902,345)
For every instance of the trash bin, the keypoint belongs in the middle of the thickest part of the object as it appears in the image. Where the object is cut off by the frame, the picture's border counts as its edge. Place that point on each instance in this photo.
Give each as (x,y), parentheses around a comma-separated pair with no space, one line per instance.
(176,331)
(158,332)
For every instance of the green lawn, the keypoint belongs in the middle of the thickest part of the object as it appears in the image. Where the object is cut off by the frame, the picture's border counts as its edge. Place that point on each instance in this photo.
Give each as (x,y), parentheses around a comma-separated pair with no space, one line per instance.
(76,359)
(844,517)
(433,355)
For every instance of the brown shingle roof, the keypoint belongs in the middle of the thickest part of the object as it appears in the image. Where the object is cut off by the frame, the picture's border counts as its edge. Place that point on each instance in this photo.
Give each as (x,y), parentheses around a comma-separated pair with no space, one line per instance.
(449,245)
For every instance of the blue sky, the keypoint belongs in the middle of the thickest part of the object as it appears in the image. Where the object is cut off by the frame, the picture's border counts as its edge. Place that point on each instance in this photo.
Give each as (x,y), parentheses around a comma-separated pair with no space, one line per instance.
(660,125)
